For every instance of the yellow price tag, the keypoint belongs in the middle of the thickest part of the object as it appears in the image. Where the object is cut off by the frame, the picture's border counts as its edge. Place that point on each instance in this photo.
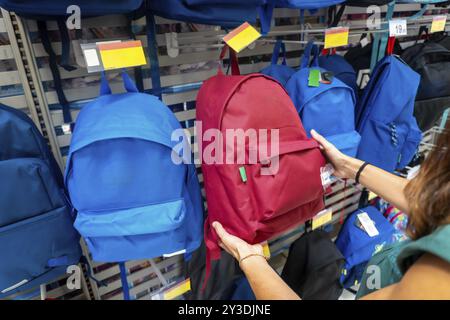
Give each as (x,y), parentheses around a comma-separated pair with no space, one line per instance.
(266,249)
(372,195)
(336,37)
(178,290)
(322,218)
(438,24)
(241,37)
(117,55)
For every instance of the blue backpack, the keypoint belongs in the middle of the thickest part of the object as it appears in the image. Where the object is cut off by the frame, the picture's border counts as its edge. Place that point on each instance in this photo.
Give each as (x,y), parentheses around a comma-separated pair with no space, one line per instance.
(341,69)
(280,72)
(389,132)
(49,9)
(306,4)
(357,246)
(328,108)
(133,200)
(225,13)
(37,238)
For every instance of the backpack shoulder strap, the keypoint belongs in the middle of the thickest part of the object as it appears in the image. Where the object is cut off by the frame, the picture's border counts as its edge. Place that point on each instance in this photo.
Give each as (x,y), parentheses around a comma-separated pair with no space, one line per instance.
(42,26)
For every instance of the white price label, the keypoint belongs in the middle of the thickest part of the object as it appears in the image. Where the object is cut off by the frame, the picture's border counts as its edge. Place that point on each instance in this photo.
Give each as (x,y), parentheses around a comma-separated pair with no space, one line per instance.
(368,224)
(91,57)
(66,128)
(398,27)
(326,175)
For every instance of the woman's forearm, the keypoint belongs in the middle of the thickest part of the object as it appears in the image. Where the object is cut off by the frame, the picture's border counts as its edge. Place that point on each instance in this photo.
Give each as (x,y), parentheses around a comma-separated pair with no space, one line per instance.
(265,282)
(386,185)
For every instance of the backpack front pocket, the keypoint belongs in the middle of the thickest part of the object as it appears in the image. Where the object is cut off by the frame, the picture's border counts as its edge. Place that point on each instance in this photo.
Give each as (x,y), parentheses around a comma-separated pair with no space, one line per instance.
(27,189)
(279,185)
(134,233)
(28,248)
(381,144)
(410,147)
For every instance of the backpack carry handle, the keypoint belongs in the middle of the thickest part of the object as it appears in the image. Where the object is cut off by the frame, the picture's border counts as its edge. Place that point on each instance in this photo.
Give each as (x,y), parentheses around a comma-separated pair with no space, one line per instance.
(128,84)
(279,45)
(233,60)
(423,30)
(311,48)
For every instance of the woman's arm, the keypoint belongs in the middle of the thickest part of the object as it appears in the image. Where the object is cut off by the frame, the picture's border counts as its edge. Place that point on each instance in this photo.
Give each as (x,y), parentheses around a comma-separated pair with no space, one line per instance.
(265,282)
(386,185)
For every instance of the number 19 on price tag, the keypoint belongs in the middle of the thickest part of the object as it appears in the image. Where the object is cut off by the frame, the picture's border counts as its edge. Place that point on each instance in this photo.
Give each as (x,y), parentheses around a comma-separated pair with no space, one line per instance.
(398,28)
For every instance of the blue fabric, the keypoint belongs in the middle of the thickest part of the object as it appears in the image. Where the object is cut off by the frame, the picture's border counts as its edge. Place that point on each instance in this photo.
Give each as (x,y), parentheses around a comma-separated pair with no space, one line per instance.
(243,290)
(145,205)
(52,8)
(226,13)
(389,132)
(153,55)
(281,72)
(328,108)
(37,238)
(306,4)
(124,281)
(341,69)
(357,246)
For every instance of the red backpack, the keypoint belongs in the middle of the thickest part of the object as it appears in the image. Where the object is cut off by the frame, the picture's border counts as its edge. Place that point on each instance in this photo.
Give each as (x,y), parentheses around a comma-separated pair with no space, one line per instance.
(250,205)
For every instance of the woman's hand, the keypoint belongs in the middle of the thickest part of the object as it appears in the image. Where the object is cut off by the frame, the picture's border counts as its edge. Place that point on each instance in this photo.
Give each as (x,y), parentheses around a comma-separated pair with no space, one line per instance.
(235,246)
(342,163)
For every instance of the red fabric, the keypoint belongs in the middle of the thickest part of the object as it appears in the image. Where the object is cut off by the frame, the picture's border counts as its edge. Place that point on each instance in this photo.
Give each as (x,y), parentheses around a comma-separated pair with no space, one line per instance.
(265,205)
(390,45)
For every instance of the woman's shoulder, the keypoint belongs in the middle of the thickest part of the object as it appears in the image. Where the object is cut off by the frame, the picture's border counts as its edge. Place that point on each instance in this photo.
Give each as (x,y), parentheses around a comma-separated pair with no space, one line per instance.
(436,243)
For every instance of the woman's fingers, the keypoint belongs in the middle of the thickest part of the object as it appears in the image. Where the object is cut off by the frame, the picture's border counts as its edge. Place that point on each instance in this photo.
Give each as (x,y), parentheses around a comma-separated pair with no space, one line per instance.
(221,232)
(321,140)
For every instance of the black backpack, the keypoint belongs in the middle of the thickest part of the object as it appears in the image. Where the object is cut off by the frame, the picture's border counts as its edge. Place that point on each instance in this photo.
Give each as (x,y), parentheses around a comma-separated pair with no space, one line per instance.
(432,61)
(225,273)
(313,267)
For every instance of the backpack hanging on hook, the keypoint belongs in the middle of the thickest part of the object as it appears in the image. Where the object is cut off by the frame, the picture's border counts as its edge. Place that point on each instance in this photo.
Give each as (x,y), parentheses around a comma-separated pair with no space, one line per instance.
(280,72)
(239,194)
(225,13)
(329,108)
(147,199)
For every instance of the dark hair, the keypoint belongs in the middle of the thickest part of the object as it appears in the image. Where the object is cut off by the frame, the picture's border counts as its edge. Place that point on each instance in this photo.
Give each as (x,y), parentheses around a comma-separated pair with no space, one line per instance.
(428,194)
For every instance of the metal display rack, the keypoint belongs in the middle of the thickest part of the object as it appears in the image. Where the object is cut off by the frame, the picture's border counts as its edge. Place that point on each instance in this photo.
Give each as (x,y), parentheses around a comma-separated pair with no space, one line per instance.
(29,87)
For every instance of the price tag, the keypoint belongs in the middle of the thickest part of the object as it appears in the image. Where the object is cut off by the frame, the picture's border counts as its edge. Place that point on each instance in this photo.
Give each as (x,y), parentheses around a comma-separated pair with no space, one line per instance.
(322,218)
(372,196)
(326,175)
(119,55)
(66,128)
(266,249)
(438,24)
(367,224)
(336,37)
(178,290)
(398,27)
(241,37)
